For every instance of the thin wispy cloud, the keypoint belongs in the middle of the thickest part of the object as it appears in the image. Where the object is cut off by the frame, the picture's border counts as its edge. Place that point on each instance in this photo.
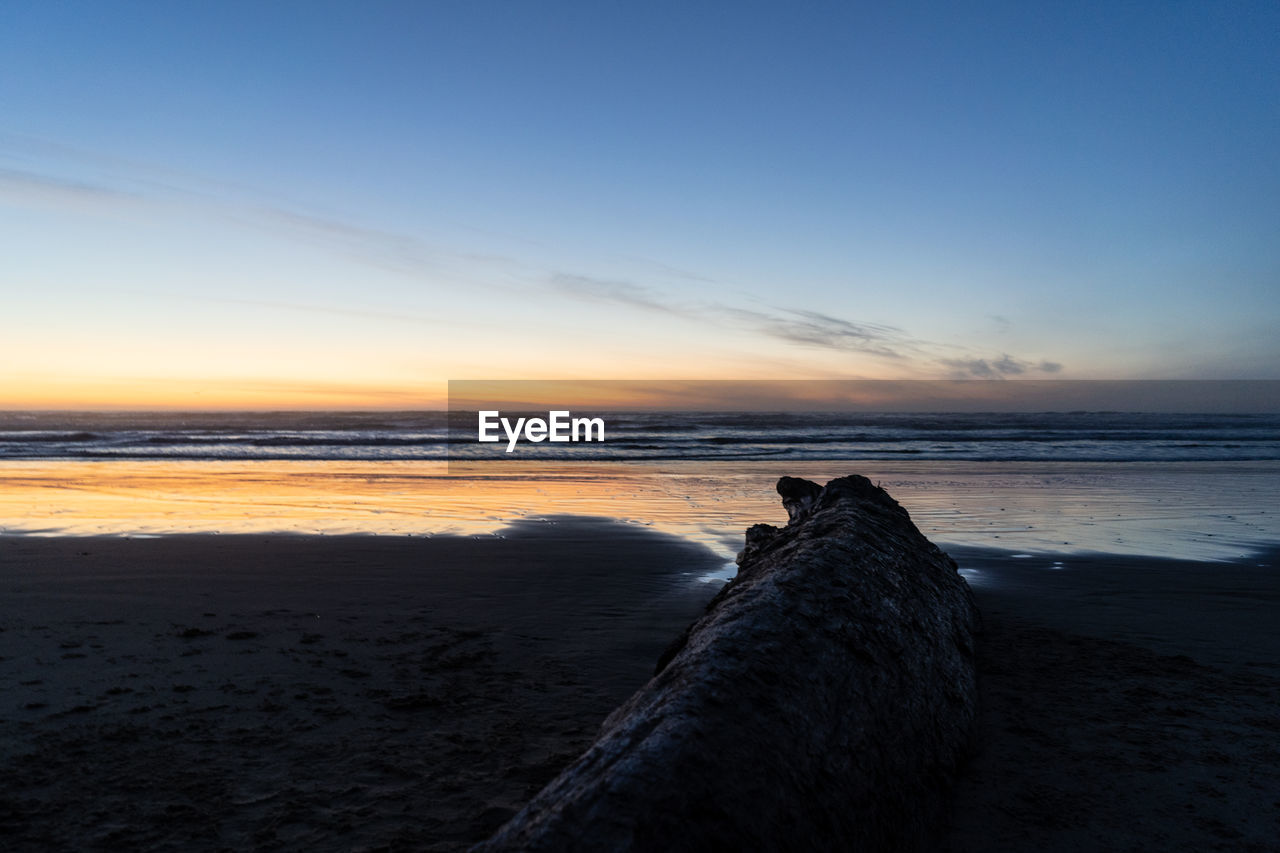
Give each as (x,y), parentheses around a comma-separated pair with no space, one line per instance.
(813,329)
(617,292)
(134,187)
(806,328)
(118,184)
(32,187)
(388,250)
(999,368)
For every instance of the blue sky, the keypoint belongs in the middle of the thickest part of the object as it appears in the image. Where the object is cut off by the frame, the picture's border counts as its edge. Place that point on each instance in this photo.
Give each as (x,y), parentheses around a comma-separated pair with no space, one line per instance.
(347,203)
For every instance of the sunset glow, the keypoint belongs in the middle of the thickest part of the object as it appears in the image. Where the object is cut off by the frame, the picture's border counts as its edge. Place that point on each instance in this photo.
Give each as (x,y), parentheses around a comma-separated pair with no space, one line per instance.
(717,417)
(320,209)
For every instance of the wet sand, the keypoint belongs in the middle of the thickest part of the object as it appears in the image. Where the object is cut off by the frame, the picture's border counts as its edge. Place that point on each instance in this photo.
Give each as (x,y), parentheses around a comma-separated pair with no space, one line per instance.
(304,693)
(317,693)
(1127,704)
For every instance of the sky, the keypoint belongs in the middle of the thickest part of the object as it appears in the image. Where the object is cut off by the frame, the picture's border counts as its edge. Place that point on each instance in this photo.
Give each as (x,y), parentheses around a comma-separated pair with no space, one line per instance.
(343,205)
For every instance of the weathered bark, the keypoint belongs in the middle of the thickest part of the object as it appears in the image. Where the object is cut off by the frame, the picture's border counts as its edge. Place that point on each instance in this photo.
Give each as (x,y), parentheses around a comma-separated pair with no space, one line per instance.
(824,700)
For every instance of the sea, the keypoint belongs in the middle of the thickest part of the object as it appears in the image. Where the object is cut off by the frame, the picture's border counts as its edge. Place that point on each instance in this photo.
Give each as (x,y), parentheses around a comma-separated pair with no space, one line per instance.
(647,437)
(1189,486)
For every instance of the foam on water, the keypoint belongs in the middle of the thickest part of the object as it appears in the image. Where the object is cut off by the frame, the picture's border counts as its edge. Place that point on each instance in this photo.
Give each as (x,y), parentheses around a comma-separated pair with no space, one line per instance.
(650,437)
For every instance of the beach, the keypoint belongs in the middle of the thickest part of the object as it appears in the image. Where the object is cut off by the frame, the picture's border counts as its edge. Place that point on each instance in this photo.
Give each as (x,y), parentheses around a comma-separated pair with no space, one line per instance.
(297,682)
(1126,703)
(317,693)
(361,692)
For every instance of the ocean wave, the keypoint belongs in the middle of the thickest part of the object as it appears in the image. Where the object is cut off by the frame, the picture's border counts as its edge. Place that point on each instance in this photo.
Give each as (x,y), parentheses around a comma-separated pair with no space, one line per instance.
(47,437)
(649,437)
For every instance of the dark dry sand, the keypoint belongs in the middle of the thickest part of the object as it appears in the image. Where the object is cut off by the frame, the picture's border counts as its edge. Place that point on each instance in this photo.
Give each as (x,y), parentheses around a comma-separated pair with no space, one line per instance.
(317,693)
(310,693)
(1128,704)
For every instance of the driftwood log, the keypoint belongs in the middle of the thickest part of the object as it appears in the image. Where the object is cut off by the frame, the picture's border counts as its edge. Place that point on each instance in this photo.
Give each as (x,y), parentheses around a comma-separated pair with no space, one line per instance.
(824,701)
